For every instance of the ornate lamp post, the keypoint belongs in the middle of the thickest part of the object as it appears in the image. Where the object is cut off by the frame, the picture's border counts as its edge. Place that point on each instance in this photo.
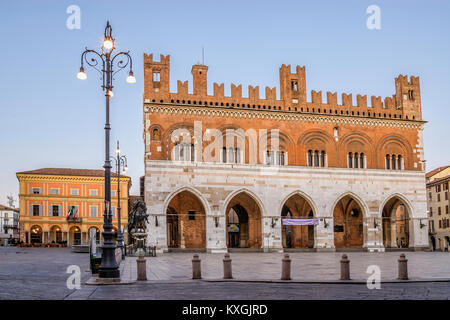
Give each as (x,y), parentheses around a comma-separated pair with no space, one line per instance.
(120,161)
(106,61)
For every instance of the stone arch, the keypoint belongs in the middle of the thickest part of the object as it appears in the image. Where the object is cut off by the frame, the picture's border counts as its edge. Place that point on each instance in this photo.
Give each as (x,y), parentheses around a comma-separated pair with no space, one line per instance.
(357,142)
(357,198)
(349,212)
(298,205)
(55,233)
(397,215)
(250,193)
(250,210)
(186,211)
(74,235)
(192,190)
(36,234)
(394,144)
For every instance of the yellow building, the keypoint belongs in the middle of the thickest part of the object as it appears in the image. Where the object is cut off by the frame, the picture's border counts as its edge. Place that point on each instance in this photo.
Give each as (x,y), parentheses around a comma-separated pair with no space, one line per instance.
(438,201)
(48,195)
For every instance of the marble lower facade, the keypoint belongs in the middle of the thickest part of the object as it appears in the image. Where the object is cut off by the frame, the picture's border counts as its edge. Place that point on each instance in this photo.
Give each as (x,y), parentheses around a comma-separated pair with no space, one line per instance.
(217,206)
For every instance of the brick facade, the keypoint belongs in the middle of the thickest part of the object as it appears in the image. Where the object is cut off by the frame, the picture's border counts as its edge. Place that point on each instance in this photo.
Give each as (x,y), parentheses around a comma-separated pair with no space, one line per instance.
(354,158)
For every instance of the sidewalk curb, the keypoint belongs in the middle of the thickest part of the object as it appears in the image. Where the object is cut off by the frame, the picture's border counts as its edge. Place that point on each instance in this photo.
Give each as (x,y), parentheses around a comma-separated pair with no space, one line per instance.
(356,281)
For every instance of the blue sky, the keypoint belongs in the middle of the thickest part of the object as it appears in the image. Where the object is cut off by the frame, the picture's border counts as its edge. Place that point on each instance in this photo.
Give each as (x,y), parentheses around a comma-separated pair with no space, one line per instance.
(51,119)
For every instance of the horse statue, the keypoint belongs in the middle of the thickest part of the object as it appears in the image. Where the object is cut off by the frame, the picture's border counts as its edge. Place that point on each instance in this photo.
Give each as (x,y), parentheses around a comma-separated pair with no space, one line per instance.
(138,217)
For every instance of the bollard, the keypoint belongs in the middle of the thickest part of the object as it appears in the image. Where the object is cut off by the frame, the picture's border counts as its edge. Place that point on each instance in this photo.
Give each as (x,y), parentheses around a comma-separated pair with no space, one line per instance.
(402,267)
(345,268)
(286,268)
(196,268)
(227,274)
(141,268)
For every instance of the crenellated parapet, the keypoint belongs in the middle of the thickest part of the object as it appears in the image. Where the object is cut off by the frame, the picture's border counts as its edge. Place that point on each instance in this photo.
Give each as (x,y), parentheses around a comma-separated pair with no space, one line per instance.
(404,104)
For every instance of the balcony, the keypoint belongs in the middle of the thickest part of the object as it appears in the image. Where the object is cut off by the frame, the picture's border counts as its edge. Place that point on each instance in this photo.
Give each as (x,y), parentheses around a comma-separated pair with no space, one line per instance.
(74,220)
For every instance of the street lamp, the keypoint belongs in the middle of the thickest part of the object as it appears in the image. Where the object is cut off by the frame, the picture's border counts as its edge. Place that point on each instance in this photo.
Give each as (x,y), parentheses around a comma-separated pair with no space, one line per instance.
(104,63)
(120,161)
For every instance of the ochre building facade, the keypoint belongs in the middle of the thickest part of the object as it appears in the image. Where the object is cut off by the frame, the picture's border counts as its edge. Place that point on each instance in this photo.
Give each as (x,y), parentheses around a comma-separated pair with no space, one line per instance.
(48,196)
(223,172)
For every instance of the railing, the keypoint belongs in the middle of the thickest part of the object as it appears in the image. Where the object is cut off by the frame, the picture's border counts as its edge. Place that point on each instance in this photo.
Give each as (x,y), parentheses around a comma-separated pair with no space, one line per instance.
(132,248)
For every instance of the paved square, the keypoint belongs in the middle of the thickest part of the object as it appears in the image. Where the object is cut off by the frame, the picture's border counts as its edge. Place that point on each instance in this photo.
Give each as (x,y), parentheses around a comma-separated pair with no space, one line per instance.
(40,273)
(312,266)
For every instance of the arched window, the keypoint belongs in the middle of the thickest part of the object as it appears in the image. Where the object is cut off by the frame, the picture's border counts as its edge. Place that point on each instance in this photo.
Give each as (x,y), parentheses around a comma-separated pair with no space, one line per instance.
(387,161)
(316,158)
(230,158)
(310,159)
(155,134)
(355,160)
(322,159)
(393,158)
(361,161)
(281,158)
(267,159)
(184,152)
(238,155)
(350,160)
(224,155)
(399,162)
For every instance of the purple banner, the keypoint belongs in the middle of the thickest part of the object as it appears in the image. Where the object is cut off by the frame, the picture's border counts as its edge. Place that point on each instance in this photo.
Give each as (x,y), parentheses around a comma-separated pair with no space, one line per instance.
(300,222)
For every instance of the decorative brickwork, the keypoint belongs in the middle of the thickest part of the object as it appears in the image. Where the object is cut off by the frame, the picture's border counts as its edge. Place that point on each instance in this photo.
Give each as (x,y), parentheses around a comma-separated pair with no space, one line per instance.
(339,163)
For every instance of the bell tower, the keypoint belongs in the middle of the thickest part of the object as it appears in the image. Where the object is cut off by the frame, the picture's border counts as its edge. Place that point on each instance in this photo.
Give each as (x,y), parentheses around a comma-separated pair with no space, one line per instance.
(156,77)
(407,97)
(199,72)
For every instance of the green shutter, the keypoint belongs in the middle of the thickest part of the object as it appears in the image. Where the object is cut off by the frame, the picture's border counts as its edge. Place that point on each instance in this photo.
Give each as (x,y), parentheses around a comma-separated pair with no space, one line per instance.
(50,210)
(30,213)
(40,210)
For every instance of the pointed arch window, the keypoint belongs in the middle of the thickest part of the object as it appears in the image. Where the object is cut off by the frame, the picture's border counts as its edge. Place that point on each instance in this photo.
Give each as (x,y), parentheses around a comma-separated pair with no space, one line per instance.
(394,162)
(310,158)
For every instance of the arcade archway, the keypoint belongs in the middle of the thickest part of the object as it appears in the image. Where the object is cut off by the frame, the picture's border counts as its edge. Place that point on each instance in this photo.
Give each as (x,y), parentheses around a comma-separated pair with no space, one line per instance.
(74,235)
(348,223)
(36,234)
(186,221)
(55,234)
(396,224)
(297,236)
(243,222)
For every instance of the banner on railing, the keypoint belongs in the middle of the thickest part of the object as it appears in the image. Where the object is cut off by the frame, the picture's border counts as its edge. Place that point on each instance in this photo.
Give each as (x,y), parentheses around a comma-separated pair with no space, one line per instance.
(300,222)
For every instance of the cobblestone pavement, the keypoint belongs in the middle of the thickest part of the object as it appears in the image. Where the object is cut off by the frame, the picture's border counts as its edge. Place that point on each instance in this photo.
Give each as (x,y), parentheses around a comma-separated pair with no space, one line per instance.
(305,266)
(40,273)
(199,290)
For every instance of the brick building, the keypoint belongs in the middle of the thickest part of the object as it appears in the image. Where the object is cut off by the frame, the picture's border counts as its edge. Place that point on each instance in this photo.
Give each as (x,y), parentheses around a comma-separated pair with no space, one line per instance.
(224,172)
(438,208)
(48,195)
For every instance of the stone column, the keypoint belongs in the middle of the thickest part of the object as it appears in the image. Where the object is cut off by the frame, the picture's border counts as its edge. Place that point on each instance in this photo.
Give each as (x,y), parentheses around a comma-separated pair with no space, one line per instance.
(216,236)
(371,234)
(393,233)
(324,236)
(182,242)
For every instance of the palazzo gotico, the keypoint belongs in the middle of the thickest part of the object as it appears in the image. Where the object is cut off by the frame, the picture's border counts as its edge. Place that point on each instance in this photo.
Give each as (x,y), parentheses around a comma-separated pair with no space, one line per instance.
(225,171)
